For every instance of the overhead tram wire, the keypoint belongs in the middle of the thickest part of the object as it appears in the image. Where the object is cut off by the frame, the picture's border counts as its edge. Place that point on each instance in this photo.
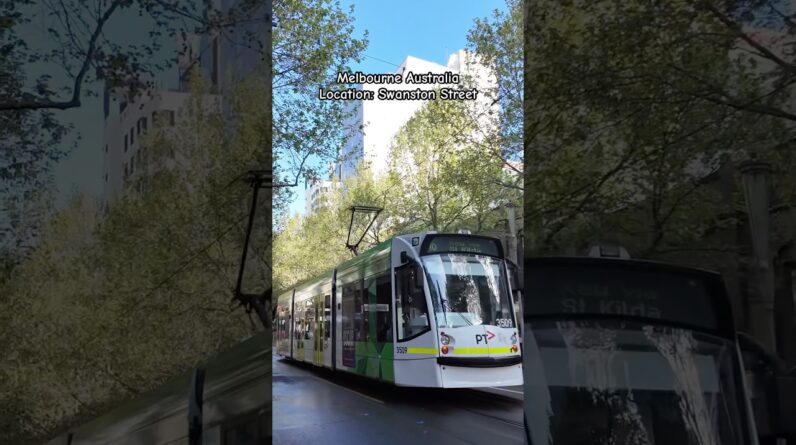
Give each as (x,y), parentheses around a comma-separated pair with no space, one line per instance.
(185,264)
(196,254)
(381,60)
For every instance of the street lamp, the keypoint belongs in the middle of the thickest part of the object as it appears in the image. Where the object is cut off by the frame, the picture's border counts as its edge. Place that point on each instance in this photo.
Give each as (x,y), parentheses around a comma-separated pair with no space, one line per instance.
(756,176)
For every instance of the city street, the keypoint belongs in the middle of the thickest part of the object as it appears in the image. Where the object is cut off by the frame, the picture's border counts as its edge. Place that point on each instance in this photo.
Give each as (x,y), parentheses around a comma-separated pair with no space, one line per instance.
(321,407)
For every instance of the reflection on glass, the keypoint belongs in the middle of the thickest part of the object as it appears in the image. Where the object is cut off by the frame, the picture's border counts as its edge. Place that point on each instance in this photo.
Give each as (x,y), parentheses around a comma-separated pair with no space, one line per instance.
(587,383)
(468,290)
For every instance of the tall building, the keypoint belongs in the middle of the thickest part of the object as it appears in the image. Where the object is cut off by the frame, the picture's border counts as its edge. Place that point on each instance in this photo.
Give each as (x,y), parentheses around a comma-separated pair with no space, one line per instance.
(222,58)
(126,124)
(374,123)
(316,195)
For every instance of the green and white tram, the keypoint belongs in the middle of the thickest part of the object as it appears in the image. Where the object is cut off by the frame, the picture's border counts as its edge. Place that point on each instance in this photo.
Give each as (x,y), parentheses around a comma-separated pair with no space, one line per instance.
(425,309)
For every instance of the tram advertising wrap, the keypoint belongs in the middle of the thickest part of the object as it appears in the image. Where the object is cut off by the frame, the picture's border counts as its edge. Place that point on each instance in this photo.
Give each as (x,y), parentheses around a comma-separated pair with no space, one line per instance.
(425,309)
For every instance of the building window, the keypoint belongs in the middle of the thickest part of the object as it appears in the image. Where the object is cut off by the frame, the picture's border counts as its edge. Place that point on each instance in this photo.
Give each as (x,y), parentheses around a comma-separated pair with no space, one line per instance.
(106,148)
(125,143)
(132,136)
(132,164)
(141,125)
(171,117)
(154,118)
(214,73)
(106,177)
(126,170)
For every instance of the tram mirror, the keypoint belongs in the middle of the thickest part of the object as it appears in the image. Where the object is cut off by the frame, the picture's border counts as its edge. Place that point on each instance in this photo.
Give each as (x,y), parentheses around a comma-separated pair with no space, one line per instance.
(514,278)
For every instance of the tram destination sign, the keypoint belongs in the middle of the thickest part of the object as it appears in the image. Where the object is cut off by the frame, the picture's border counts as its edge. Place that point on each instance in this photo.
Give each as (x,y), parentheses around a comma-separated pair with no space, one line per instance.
(461,244)
(681,298)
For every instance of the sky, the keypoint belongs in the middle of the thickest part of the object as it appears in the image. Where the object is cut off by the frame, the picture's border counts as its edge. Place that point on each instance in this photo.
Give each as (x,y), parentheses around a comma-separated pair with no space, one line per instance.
(427,29)
(430,30)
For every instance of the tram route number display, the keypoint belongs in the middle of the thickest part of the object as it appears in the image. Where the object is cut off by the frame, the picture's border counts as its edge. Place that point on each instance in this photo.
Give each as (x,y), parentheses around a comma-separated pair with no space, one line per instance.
(461,244)
(597,290)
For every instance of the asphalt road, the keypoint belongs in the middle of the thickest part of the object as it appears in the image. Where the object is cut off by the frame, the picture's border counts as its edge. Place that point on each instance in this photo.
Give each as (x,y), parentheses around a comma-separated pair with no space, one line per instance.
(321,407)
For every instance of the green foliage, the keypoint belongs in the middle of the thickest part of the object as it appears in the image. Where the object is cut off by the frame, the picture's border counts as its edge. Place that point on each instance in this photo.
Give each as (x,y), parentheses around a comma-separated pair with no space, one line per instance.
(313,42)
(446,179)
(112,302)
(437,180)
(498,42)
(449,167)
(631,107)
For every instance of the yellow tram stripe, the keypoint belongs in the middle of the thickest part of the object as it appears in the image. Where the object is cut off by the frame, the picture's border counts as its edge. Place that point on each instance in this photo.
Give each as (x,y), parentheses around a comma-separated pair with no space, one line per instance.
(411,350)
(484,350)
(458,350)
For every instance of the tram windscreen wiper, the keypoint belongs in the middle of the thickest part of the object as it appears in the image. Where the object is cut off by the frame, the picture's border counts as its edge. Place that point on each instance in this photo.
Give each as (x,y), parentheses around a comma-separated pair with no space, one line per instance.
(443,302)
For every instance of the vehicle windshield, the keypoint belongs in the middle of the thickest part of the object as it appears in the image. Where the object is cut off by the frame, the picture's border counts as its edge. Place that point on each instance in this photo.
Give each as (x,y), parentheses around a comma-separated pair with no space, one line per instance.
(617,383)
(468,290)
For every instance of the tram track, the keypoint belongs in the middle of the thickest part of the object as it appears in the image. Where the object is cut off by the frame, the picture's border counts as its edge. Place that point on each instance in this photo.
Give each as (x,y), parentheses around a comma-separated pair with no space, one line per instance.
(311,401)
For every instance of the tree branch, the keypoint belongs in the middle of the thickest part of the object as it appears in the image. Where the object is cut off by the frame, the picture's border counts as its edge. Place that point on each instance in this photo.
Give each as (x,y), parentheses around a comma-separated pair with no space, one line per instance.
(38,104)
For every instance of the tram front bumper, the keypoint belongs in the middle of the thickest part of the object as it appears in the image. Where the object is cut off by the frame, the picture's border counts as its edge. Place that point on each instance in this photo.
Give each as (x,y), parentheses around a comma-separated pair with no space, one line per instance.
(480,372)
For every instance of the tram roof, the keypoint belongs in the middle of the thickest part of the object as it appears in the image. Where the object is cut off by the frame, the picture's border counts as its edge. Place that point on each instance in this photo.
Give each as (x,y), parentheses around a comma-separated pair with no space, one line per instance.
(374,252)
(347,264)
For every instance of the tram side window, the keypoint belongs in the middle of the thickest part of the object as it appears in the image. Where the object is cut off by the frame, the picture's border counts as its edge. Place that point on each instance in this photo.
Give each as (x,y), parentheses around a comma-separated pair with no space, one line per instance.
(379,310)
(412,312)
(280,324)
(360,318)
(327,315)
(309,324)
(384,309)
(348,311)
(298,332)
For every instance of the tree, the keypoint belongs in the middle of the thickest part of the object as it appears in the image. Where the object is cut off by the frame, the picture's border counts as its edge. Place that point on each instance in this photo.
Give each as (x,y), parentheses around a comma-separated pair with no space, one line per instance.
(52,52)
(111,303)
(627,144)
(82,48)
(446,178)
(312,42)
(498,43)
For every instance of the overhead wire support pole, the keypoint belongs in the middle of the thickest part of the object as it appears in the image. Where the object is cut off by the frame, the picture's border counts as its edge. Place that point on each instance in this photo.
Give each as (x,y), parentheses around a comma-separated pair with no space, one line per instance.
(363,209)
(258,301)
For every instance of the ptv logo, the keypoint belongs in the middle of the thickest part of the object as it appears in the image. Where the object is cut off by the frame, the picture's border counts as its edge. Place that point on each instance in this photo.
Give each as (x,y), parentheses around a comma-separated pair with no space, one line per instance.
(484,337)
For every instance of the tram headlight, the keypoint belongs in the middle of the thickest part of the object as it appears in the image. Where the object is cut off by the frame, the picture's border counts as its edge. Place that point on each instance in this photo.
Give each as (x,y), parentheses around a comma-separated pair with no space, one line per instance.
(444,339)
(514,339)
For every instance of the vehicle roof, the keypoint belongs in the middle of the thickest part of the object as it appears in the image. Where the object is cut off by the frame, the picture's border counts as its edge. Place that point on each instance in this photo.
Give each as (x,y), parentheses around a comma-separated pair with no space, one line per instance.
(632,262)
(247,361)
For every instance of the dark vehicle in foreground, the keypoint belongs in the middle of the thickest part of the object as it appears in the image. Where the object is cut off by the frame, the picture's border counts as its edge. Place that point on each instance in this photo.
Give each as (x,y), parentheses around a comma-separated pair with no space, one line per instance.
(620,351)
(223,402)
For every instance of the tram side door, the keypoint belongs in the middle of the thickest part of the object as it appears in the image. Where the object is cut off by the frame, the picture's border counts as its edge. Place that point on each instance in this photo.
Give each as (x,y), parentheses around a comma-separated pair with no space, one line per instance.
(298,330)
(416,347)
(309,330)
(327,345)
(318,337)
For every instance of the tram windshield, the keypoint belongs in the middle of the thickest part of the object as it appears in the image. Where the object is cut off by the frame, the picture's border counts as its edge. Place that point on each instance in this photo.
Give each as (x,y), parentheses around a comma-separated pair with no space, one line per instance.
(613,382)
(468,290)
